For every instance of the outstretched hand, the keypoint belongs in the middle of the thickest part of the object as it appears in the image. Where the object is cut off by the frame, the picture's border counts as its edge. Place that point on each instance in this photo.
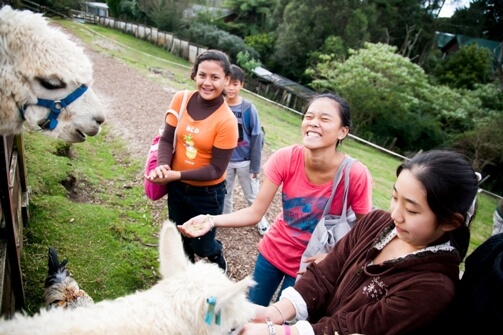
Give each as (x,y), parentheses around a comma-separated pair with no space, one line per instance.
(260,314)
(254,329)
(197,226)
(257,324)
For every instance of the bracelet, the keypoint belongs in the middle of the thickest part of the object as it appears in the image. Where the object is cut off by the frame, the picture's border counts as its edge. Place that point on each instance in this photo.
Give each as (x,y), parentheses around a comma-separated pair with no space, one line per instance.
(287,329)
(210,218)
(270,325)
(280,313)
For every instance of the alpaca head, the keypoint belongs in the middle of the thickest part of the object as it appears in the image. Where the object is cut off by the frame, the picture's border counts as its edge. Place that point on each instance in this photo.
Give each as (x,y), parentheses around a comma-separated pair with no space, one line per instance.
(45,80)
(218,304)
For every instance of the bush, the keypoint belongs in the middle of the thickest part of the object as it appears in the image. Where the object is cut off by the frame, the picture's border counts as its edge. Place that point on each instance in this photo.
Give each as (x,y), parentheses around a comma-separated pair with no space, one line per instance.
(469,66)
(211,37)
(263,43)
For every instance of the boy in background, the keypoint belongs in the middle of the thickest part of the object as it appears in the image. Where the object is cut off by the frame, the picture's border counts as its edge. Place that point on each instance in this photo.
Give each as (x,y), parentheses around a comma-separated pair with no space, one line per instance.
(247,156)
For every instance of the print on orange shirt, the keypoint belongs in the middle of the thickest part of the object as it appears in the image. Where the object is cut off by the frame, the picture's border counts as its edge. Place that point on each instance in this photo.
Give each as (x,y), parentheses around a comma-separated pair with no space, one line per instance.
(190,150)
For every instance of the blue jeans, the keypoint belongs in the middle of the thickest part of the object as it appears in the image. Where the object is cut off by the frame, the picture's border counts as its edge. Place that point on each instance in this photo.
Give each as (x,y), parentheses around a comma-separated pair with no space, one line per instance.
(268,279)
(186,201)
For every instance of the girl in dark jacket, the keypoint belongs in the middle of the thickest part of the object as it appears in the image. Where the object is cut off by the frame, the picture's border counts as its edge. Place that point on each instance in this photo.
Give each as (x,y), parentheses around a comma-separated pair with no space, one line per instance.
(395,272)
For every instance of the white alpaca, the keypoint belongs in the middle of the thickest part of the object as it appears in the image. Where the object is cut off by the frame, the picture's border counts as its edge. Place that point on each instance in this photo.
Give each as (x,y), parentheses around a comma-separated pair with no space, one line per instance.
(44,80)
(177,304)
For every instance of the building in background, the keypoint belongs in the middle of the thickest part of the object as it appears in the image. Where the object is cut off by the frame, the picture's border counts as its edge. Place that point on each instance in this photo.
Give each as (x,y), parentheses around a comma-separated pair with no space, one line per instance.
(96,8)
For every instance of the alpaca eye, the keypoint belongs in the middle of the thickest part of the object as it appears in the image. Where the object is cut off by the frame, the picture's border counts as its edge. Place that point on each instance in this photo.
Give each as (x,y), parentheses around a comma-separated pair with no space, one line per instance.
(51,83)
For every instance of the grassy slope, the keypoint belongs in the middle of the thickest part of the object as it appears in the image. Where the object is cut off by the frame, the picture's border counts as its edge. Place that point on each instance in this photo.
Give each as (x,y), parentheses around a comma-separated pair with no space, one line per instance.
(110,239)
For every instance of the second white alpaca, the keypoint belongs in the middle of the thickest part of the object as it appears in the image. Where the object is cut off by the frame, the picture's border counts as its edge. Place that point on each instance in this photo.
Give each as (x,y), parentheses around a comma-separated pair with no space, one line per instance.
(189,299)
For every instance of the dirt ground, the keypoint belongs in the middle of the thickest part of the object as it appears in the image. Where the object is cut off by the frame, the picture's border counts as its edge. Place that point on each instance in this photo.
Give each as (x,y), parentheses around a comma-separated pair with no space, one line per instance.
(135,107)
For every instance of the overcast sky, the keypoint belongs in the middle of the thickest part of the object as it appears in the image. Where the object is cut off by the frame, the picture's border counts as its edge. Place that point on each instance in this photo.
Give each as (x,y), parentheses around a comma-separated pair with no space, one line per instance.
(451,5)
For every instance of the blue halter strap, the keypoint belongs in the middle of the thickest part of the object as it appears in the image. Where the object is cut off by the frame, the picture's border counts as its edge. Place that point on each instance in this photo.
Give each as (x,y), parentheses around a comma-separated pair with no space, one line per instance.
(210,312)
(55,106)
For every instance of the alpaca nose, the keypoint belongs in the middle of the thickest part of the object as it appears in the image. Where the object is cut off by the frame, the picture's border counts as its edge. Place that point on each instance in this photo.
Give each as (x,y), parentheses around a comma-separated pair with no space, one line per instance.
(100,119)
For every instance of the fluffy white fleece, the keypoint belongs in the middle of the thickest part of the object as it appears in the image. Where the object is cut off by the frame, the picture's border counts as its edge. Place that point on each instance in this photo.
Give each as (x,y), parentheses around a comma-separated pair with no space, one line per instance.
(177,304)
(38,61)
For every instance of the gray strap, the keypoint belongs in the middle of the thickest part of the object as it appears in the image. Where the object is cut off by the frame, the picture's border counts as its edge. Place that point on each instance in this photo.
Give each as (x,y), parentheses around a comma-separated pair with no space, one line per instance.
(345,164)
(346,190)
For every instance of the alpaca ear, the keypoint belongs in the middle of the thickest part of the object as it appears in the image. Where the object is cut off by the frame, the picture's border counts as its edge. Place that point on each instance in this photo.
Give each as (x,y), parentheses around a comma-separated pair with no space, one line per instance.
(225,295)
(172,257)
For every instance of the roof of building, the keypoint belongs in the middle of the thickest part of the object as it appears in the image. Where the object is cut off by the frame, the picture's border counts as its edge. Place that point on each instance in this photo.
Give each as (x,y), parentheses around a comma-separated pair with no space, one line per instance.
(283,82)
(445,40)
(97,4)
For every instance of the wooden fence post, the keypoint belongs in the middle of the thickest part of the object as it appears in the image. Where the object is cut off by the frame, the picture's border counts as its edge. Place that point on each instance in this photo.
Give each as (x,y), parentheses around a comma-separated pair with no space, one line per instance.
(14,215)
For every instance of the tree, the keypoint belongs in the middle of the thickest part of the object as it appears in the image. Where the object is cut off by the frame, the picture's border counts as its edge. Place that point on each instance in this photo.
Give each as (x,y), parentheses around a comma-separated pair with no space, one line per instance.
(484,142)
(212,37)
(127,10)
(333,46)
(468,21)
(305,26)
(166,14)
(60,6)
(114,8)
(262,43)
(484,145)
(253,15)
(356,32)
(294,40)
(469,66)
(391,99)
(483,19)
(246,62)
(409,25)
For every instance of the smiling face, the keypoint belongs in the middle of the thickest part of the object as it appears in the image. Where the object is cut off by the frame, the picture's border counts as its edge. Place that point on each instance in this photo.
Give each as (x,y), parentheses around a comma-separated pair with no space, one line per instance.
(415,222)
(322,124)
(232,92)
(210,79)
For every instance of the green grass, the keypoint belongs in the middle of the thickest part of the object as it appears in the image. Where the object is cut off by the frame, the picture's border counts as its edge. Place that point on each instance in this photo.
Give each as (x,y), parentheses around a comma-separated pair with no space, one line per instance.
(110,238)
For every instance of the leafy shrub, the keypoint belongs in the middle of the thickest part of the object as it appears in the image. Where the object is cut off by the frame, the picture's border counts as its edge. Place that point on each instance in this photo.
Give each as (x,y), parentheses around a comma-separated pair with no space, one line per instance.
(263,43)
(211,37)
(245,61)
(466,68)
(392,102)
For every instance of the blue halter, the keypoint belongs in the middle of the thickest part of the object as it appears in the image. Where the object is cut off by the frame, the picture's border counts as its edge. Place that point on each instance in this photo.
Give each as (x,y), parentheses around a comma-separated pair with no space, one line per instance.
(55,106)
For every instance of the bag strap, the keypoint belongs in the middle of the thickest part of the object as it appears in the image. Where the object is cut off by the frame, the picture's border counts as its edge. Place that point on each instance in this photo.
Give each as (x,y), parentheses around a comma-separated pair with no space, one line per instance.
(346,189)
(178,115)
(345,164)
(246,110)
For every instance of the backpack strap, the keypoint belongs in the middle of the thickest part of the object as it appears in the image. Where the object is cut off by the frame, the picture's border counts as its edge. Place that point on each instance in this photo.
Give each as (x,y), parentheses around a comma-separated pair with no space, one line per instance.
(245,109)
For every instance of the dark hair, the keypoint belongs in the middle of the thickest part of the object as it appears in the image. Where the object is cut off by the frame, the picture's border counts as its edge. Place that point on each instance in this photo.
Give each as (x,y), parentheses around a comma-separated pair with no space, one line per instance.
(451,187)
(215,55)
(237,73)
(344,110)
